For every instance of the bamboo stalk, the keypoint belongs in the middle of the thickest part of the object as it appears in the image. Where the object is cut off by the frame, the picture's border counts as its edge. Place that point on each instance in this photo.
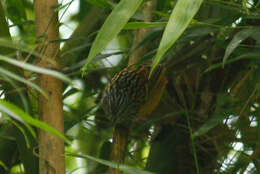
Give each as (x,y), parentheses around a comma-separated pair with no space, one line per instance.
(50,110)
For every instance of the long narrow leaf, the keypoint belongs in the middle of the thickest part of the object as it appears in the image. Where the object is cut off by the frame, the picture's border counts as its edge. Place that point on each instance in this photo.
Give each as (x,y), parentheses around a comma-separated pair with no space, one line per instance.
(17,113)
(4,29)
(23,80)
(101,3)
(210,124)
(34,68)
(114,23)
(121,167)
(2,164)
(251,55)
(7,43)
(22,130)
(238,38)
(138,25)
(180,18)
(20,94)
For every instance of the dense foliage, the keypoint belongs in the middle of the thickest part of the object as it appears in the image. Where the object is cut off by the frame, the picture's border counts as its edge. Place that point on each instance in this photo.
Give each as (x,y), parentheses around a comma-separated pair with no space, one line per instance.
(207,120)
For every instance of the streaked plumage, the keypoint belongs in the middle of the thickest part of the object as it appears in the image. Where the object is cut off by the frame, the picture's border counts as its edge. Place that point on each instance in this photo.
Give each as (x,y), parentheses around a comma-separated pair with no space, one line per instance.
(128,91)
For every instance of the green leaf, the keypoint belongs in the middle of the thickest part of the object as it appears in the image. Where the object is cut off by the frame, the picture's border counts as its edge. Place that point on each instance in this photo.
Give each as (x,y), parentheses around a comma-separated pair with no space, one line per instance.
(20,94)
(16,11)
(4,30)
(162,14)
(180,18)
(252,55)
(114,23)
(101,3)
(150,36)
(21,129)
(238,38)
(18,114)
(7,43)
(3,165)
(34,68)
(23,80)
(213,122)
(138,25)
(121,167)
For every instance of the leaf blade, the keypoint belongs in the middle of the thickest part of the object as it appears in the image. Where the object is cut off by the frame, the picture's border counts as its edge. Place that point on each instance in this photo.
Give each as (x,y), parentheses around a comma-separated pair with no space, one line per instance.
(121,167)
(238,38)
(112,26)
(138,25)
(180,18)
(34,68)
(210,124)
(23,80)
(17,113)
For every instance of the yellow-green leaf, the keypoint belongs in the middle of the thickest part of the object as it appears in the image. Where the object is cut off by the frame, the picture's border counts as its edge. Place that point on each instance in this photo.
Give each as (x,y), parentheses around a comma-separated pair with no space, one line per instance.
(114,23)
(180,18)
(18,114)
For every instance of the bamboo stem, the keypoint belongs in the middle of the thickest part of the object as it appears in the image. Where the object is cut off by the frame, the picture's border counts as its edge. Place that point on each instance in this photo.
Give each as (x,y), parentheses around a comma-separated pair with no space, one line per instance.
(50,110)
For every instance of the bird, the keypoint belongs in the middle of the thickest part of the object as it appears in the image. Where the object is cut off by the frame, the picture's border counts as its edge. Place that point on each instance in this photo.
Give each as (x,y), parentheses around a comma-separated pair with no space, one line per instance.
(132,94)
